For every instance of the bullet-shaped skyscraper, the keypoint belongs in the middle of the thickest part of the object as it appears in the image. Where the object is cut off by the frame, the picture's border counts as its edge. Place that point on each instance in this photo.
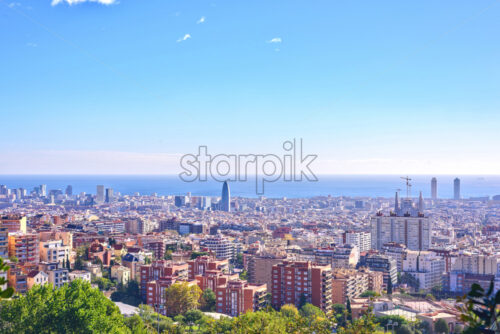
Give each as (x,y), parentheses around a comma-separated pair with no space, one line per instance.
(456,189)
(434,188)
(225,203)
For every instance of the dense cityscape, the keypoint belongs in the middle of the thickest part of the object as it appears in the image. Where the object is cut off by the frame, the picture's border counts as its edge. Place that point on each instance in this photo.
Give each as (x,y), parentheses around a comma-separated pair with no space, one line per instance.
(407,258)
(249,167)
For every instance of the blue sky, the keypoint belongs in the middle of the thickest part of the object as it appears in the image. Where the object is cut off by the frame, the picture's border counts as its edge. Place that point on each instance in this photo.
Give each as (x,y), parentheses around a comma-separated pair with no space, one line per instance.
(372,87)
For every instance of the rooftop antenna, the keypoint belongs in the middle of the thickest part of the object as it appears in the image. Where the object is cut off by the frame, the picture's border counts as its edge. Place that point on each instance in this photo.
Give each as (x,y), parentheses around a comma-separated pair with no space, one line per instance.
(408,185)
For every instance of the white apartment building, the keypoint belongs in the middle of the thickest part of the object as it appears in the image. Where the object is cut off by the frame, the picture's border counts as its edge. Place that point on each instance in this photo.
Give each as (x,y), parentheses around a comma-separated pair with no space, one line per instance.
(362,240)
(220,245)
(476,263)
(426,267)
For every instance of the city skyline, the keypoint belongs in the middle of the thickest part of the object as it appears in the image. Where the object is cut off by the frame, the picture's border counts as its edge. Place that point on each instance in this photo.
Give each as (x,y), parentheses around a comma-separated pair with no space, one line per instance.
(390,89)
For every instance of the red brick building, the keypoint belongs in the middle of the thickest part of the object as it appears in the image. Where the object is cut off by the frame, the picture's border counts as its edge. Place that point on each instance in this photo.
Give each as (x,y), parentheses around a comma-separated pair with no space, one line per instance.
(237,297)
(202,264)
(294,282)
(158,276)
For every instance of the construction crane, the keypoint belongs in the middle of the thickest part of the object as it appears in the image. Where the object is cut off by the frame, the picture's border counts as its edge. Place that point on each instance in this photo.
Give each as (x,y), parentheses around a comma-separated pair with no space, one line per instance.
(408,185)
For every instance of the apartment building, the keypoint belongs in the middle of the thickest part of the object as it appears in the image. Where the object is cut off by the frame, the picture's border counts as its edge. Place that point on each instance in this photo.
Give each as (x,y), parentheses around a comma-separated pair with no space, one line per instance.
(14,223)
(220,245)
(25,247)
(348,284)
(159,275)
(4,242)
(54,251)
(201,264)
(260,269)
(294,282)
(362,240)
(237,297)
(426,267)
(395,251)
(345,256)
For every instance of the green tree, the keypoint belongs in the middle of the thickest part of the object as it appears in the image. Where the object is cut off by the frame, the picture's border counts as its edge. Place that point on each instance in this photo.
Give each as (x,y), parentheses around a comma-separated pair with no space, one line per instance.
(348,309)
(309,311)
(389,286)
(385,319)
(339,313)
(404,329)
(238,261)
(73,308)
(208,300)
(363,325)
(369,293)
(181,297)
(480,309)
(244,275)
(289,311)
(302,300)
(195,255)
(104,284)
(8,292)
(411,281)
(13,259)
(441,327)
(168,255)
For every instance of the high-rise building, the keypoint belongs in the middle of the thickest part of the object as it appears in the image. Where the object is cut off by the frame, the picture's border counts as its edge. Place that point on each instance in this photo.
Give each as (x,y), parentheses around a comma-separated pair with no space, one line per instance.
(406,225)
(4,242)
(69,190)
(456,189)
(434,188)
(43,190)
(362,240)
(225,202)
(24,247)
(294,282)
(100,194)
(109,195)
(181,200)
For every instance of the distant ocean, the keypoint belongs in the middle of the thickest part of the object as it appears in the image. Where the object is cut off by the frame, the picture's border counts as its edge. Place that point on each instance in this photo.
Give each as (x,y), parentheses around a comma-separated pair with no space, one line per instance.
(344,185)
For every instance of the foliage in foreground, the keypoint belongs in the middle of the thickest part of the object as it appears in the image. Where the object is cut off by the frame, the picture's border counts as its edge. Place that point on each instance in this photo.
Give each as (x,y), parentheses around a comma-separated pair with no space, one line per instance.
(480,310)
(73,308)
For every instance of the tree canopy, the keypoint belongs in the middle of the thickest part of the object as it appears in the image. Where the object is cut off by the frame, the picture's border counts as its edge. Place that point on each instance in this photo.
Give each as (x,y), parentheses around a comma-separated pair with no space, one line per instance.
(181,297)
(73,308)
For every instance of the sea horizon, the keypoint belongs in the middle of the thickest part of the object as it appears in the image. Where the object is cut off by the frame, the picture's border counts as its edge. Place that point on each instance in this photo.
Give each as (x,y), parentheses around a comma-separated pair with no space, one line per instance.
(348,185)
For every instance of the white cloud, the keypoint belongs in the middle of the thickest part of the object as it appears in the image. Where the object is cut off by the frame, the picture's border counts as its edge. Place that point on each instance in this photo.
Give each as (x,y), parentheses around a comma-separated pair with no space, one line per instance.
(201,20)
(75,2)
(182,39)
(275,40)
(32,45)
(13,4)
